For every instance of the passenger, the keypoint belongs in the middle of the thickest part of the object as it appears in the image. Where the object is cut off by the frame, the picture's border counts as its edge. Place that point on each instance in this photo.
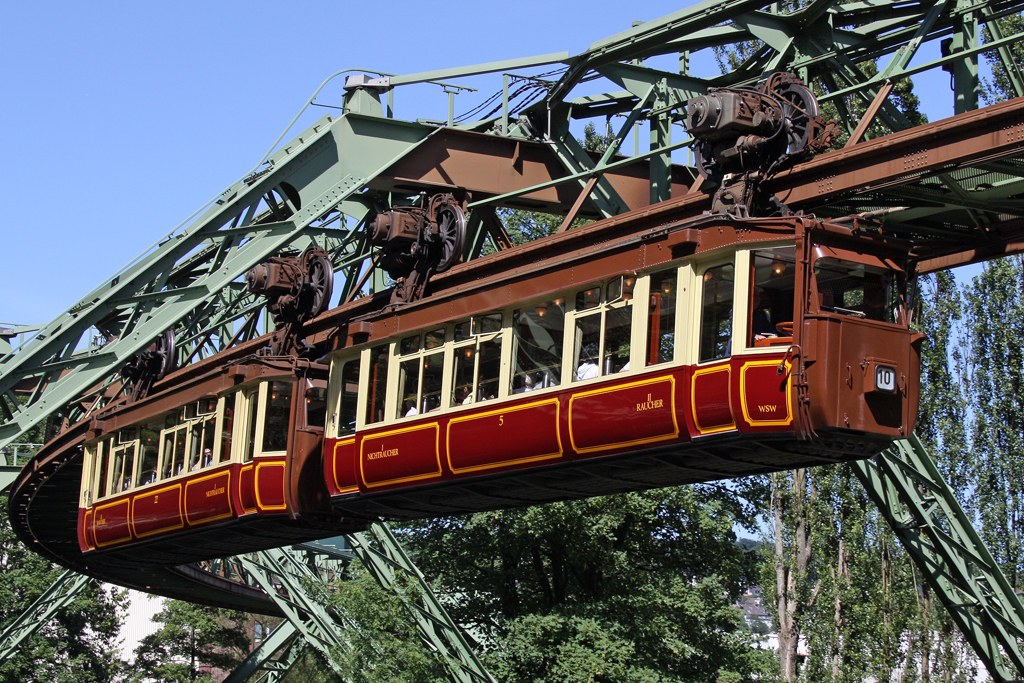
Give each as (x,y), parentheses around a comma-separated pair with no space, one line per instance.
(522,383)
(409,409)
(207,457)
(588,363)
(760,321)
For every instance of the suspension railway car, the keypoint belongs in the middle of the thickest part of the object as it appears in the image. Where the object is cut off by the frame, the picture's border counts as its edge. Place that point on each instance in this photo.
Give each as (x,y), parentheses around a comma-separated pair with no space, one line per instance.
(633,353)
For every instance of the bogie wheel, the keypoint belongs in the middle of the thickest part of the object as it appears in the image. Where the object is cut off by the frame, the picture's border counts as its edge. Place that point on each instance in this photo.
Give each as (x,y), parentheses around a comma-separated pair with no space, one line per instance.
(799,107)
(451,229)
(165,350)
(316,264)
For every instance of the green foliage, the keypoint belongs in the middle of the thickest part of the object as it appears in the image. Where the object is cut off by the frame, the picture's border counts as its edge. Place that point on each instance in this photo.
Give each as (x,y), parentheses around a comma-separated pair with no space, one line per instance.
(79,644)
(994,320)
(1000,87)
(632,587)
(192,640)
(385,645)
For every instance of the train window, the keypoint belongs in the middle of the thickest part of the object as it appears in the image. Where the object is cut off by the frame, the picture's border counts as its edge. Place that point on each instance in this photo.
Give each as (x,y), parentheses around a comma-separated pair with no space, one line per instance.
(252,418)
(200,438)
(345,417)
(316,407)
(716,313)
(487,324)
(477,361)
(661,317)
(433,340)
(275,419)
(227,427)
(378,383)
(537,333)
(602,341)
(174,451)
(408,387)
(588,298)
(101,465)
(773,279)
(858,289)
(409,345)
(124,463)
(150,453)
(420,392)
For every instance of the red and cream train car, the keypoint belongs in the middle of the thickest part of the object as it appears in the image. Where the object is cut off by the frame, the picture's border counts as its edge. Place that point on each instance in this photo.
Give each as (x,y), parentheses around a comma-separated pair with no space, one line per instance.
(620,356)
(688,352)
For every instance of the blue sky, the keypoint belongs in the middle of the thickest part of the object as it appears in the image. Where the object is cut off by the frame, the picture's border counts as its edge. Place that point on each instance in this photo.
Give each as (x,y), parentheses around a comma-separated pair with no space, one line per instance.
(123,118)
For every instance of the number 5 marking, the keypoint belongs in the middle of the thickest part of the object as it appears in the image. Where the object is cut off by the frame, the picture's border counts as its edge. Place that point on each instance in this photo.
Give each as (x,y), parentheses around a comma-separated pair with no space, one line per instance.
(501,420)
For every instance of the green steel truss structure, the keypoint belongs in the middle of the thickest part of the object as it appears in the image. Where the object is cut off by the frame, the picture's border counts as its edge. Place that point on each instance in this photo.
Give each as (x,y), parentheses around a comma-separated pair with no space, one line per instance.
(321,186)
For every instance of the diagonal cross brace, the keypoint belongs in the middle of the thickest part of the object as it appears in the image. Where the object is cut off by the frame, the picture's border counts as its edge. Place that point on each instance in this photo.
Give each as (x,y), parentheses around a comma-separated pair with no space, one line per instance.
(922,510)
(388,563)
(65,589)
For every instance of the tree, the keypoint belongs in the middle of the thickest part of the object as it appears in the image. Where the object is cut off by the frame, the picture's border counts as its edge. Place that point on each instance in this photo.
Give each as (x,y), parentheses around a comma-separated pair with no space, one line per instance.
(994,320)
(1000,87)
(630,587)
(383,643)
(192,641)
(79,644)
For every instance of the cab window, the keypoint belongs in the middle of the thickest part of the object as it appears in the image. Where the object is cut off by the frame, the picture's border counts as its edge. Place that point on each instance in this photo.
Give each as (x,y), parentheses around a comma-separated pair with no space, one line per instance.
(857,289)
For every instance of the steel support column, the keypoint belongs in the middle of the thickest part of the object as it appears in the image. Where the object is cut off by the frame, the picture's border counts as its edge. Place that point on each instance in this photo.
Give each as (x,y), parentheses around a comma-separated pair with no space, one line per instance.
(925,515)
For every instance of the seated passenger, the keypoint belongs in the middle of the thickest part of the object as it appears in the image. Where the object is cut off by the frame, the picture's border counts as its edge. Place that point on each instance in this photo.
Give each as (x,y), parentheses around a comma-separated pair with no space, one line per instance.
(588,363)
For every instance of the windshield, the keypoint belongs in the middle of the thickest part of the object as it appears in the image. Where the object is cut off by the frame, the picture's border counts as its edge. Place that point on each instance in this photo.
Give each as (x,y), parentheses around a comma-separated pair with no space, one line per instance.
(858,289)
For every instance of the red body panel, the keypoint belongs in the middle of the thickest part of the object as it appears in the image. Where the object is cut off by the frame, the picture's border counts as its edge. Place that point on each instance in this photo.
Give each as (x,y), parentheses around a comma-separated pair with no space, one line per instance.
(270,484)
(400,454)
(675,405)
(110,523)
(515,434)
(207,496)
(157,510)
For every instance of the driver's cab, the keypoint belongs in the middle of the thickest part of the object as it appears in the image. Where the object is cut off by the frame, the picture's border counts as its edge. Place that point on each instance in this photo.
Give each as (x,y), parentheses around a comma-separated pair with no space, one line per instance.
(860,359)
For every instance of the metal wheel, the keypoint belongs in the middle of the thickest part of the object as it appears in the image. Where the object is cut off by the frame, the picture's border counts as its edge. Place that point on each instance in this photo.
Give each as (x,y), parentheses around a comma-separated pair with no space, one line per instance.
(165,348)
(799,108)
(320,274)
(451,228)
